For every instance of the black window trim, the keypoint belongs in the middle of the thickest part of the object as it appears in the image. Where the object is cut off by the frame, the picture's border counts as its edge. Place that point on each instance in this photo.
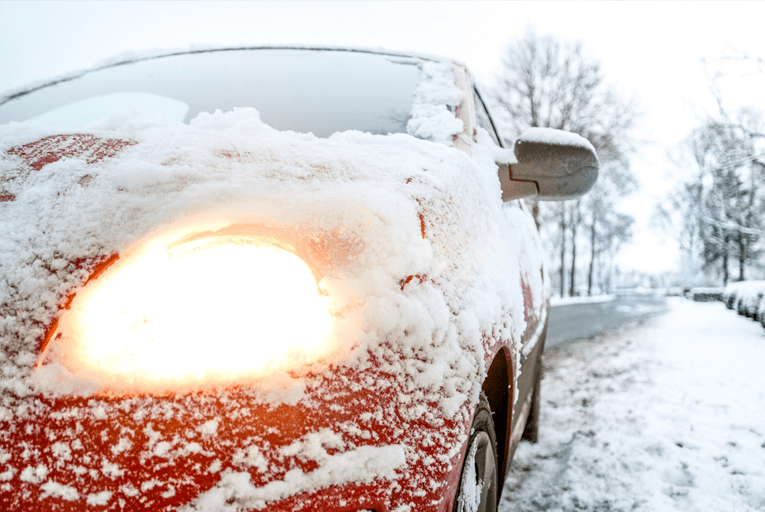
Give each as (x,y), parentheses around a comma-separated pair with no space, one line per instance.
(491,120)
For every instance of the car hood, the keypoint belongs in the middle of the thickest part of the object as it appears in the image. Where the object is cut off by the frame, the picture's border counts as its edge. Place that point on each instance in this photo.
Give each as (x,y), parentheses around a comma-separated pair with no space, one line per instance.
(418,285)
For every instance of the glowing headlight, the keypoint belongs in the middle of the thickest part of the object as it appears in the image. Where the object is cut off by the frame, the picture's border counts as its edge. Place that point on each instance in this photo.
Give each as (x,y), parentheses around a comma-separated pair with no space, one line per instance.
(211,311)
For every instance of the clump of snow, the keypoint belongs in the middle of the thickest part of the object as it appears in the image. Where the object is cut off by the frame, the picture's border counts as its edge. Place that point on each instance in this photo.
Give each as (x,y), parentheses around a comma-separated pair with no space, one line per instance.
(556,137)
(435,99)
(99,498)
(502,155)
(659,417)
(471,487)
(210,427)
(251,457)
(236,492)
(34,474)
(57,490)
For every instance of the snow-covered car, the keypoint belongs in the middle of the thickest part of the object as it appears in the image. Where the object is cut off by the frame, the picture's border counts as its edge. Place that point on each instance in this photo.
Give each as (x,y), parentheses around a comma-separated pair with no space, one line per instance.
(759,307)
(269,278)
(705,294)
(746,298)
(729,295)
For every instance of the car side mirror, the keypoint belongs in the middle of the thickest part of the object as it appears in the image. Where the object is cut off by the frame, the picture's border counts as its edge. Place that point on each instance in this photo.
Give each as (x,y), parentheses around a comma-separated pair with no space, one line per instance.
(553,165)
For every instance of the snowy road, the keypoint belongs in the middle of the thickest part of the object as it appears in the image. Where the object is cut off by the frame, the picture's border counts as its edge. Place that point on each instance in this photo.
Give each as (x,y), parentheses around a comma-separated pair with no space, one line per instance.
(667,416)
(569,322)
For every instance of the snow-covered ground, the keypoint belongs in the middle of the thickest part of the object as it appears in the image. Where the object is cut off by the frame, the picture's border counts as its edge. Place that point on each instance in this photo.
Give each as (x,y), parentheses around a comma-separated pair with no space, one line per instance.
(665,416)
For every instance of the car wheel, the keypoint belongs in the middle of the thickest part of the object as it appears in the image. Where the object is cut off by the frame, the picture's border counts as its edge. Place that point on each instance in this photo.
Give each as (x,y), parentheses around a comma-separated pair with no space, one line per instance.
(479,480)
(531,430)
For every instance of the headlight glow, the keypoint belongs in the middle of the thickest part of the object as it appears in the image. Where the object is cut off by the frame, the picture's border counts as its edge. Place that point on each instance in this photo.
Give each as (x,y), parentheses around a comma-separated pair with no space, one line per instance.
(206,311)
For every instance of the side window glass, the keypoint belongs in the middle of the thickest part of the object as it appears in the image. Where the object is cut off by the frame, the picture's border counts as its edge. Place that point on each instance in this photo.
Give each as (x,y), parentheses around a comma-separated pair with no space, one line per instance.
(483,119)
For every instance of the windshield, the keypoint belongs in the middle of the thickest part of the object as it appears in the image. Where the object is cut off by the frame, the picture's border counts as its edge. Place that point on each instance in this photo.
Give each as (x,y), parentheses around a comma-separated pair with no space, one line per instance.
(301,90)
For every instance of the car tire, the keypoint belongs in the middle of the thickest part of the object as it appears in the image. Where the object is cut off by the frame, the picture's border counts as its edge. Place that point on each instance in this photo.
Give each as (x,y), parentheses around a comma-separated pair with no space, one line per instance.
(531,430)
(479,466)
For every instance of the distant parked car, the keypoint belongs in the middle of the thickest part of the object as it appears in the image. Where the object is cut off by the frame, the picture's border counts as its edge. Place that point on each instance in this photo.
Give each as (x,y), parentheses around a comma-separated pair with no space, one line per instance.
(745,297)
(729,295)
(750,301)
(759,307)
(705,294)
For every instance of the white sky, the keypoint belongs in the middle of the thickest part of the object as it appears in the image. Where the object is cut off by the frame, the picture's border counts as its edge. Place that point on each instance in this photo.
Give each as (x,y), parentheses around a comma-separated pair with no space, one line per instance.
(652,50)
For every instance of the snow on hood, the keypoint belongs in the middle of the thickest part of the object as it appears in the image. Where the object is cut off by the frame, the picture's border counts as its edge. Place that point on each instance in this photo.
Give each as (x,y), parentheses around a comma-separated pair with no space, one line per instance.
(428,284)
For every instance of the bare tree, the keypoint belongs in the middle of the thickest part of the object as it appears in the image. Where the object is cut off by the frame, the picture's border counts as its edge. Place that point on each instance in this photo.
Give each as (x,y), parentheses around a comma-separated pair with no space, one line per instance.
(679,215)
(548,83)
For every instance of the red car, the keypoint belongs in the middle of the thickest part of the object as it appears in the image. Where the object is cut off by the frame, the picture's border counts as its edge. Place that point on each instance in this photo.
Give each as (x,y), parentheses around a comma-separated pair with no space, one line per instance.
(269,278)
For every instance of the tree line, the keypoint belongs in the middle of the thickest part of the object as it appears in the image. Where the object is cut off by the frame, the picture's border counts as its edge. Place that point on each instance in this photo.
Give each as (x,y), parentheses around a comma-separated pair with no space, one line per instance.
(716,212)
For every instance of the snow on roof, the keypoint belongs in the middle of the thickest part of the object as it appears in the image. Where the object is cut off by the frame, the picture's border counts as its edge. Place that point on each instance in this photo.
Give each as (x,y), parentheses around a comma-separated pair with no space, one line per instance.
(745,285)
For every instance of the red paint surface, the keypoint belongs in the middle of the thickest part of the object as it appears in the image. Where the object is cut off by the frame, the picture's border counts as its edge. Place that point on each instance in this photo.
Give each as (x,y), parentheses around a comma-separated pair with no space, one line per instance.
(406,281)
(48,150)
(29,440)
(51,149)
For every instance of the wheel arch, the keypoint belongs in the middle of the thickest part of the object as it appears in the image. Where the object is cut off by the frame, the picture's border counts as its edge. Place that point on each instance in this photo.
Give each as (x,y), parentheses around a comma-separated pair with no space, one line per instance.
(498,388)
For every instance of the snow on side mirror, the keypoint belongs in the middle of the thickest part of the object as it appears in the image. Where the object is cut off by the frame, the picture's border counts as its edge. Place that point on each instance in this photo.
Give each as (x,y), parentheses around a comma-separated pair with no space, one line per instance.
(552,164)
